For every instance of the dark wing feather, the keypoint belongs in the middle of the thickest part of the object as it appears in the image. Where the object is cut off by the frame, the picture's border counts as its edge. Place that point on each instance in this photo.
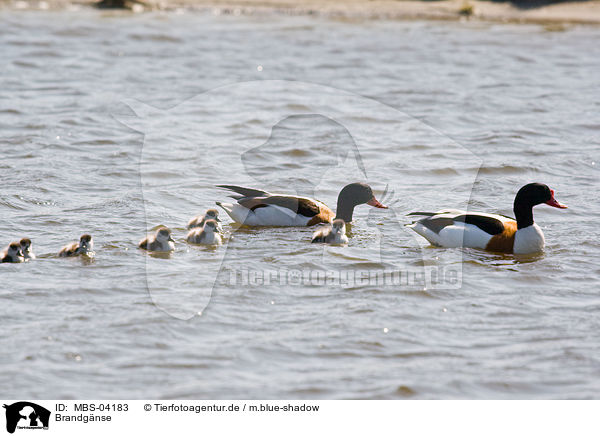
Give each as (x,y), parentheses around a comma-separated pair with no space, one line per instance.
(255,198)
(300,206)
(490,225)
(245,192)
(436,224)
(253,203)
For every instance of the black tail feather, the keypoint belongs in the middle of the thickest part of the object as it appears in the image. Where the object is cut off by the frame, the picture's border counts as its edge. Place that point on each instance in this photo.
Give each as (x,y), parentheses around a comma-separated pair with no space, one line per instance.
(244,192)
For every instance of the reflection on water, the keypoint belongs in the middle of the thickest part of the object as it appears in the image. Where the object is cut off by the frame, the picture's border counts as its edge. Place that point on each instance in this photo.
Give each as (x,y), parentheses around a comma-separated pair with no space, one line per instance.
(160,254)
(430,107)
(499,259)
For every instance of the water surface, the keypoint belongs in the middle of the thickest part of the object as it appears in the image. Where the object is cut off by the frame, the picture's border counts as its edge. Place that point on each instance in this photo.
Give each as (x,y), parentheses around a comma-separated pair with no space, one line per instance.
(441,113)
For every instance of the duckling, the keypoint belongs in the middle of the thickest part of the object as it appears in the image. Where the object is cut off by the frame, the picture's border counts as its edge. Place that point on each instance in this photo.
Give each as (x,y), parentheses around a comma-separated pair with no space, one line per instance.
(160,241)
(84,246)
(12,254)
(26,248)
(208,235)
(334,234)
(198,221)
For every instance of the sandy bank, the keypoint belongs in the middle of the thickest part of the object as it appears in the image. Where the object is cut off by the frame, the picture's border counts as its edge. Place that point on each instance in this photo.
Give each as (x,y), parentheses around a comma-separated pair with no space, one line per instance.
(585,12)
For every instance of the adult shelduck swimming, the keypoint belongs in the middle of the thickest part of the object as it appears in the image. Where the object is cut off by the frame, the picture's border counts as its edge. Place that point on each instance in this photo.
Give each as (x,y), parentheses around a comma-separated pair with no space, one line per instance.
(84,246)
(260,208)
(455,228)
(335,234)
(207,235)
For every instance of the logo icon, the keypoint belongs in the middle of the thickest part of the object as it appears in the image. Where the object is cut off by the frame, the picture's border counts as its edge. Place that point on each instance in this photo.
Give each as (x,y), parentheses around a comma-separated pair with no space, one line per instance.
(26,415)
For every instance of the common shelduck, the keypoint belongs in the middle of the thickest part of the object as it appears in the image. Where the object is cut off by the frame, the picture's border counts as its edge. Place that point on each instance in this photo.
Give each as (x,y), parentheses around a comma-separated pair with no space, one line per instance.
(160,241)
(26,248)
(198,221)
(455,228)
(334,234)
(84,246)
(259,208)
(12,254)
(207,235)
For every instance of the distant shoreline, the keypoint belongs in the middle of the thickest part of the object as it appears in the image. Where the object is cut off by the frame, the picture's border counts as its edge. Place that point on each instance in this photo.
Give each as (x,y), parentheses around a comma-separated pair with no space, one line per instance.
(580,12)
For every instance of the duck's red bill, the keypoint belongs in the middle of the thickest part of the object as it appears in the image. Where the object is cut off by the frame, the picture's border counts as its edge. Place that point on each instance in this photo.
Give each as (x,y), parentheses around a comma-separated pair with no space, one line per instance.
(552,202)
(373,202)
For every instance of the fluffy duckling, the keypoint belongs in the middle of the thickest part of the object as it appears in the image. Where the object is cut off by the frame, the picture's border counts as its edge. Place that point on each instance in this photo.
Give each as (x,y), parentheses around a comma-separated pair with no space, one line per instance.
(334,234)
(160,241)
(84,246)
(26,248)
(198,221)
(207,235)
(12,254)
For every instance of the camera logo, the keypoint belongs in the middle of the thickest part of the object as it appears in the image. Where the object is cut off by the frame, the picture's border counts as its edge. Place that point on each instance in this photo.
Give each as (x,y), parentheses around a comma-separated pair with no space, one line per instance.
(26,415)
